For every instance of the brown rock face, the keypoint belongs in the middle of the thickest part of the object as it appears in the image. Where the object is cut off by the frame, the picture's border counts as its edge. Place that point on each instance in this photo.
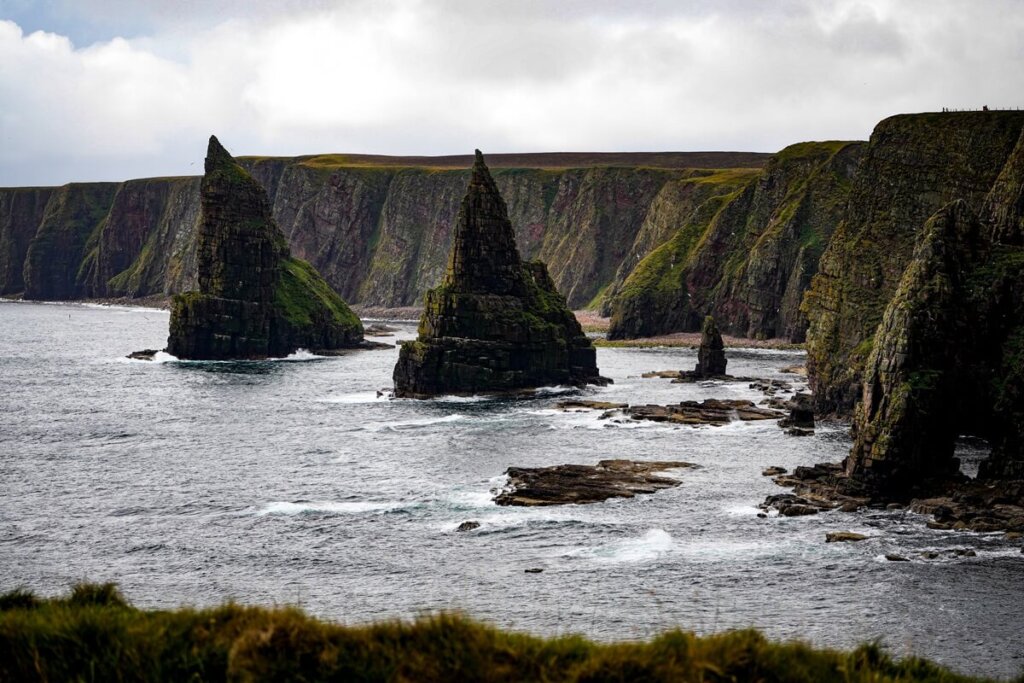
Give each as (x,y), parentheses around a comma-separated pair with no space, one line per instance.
(711,360)
(495,323)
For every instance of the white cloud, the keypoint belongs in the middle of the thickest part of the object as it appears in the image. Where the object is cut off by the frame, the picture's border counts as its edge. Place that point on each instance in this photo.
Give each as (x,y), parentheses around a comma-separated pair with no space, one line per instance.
(412,77)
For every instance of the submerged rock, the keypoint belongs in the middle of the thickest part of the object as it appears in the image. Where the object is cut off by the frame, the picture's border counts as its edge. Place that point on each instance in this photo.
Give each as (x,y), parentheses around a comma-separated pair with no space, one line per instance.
(468,526)
(495,323)
(254,300)
(711,411)
(564,484)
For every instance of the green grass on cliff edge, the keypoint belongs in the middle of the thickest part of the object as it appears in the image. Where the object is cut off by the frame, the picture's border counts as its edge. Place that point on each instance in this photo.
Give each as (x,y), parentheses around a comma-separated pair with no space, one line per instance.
(94,634)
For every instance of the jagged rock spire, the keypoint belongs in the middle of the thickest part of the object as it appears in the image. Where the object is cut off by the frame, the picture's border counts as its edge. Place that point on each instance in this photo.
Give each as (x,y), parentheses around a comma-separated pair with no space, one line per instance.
(236,221)
(495,323)
(253,300)
(484,256)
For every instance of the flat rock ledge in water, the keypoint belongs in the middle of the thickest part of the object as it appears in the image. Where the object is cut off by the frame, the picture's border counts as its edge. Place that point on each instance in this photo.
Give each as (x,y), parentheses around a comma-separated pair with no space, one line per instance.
(959,504)
(580,484)
(712,411)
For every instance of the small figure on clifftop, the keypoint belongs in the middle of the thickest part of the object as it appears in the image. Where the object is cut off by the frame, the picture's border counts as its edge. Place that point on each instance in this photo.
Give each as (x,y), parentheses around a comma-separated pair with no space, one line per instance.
(711,354)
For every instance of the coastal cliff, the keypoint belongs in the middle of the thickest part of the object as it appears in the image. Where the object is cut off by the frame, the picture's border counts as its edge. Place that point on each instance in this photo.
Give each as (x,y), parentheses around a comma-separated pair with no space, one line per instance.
(378,228)
(744,255)
(913,166)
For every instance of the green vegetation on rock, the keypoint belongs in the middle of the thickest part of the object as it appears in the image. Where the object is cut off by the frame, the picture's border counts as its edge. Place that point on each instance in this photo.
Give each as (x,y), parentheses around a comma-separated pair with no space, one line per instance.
(494,323)
(253,299)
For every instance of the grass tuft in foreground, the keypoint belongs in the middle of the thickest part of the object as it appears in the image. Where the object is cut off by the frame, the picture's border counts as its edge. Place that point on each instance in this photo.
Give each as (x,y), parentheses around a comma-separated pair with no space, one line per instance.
(94,634)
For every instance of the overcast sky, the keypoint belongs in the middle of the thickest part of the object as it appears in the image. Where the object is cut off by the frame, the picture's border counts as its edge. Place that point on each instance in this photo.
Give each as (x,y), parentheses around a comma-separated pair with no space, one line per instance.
(115,89)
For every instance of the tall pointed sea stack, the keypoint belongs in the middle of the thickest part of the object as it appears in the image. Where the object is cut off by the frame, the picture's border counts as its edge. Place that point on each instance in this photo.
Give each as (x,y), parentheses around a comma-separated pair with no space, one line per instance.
(254,300)
(495,323)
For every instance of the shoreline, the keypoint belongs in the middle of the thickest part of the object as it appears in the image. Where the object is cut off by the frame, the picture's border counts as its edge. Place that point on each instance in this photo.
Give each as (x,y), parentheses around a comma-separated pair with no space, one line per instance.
(591,321)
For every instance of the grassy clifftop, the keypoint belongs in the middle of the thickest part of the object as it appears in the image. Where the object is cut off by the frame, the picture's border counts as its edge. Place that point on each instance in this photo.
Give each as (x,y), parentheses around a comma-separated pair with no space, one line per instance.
(93,634)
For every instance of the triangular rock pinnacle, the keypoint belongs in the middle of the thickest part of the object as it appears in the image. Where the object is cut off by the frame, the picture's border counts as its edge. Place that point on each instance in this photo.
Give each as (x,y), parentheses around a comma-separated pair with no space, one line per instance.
(254,300)
(495,323)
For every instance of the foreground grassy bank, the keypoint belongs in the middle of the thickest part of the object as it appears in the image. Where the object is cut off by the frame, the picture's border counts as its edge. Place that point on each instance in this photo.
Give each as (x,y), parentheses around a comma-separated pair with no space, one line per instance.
(93,634)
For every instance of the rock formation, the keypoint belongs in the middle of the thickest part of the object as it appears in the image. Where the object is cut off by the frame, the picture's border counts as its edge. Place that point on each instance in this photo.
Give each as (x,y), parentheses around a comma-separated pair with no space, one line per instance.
(913,166)
(711,360)
(495,323)
(744,254)
(580,484)
(254,300)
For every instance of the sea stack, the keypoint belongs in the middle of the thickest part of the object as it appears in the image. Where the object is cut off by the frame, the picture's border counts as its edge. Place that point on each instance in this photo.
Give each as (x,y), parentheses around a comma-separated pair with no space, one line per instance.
(495,323)
(711,354)
(254,299)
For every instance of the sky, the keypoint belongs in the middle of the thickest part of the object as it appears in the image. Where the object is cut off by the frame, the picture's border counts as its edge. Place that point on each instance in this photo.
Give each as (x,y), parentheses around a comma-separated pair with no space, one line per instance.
(115,89)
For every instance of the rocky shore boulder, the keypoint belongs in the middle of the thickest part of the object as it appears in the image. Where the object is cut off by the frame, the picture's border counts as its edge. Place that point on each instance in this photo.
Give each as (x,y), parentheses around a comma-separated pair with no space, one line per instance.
(495,323)
(254,300)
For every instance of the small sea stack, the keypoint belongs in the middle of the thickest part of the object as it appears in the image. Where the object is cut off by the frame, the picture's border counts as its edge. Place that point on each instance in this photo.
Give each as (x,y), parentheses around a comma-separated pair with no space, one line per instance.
(711,354)
(254,300)
(495,323)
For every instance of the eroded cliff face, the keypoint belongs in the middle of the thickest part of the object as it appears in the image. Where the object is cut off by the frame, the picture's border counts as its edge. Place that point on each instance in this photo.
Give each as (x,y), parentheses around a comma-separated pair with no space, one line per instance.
(378,229)
(746,255)
(913,166)
(71,219)
(21,212)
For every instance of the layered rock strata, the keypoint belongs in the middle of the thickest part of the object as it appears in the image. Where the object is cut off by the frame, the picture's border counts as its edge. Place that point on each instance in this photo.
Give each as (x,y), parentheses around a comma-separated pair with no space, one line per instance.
(253,299)
(379,229)
(495,323)
(581,484)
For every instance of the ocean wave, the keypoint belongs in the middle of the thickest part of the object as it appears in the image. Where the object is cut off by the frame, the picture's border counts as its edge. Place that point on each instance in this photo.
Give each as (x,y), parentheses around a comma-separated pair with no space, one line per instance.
(651,545)
(280,507)
(401,425)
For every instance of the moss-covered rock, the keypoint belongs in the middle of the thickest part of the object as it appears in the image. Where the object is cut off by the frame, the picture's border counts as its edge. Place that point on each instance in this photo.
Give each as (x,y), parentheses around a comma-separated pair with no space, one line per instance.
(745,255)
(495,323)
(254,300)
(913,166)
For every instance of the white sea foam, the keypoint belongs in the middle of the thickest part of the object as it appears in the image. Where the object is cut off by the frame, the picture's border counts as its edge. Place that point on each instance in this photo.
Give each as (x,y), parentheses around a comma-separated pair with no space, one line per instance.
(361,397)
(651,545)
(339,508)
(159,358)
(412,424)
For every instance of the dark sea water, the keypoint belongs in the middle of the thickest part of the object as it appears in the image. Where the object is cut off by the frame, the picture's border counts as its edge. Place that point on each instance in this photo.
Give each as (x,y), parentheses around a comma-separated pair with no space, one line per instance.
(292,482)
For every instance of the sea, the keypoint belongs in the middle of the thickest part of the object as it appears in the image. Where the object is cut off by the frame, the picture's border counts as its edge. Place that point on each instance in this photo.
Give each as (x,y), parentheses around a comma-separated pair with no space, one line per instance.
(299,481)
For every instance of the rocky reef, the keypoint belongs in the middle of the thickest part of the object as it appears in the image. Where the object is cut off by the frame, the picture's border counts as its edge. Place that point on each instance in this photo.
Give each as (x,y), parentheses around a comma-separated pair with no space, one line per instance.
(495,323)
(253,300)
(581,484)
